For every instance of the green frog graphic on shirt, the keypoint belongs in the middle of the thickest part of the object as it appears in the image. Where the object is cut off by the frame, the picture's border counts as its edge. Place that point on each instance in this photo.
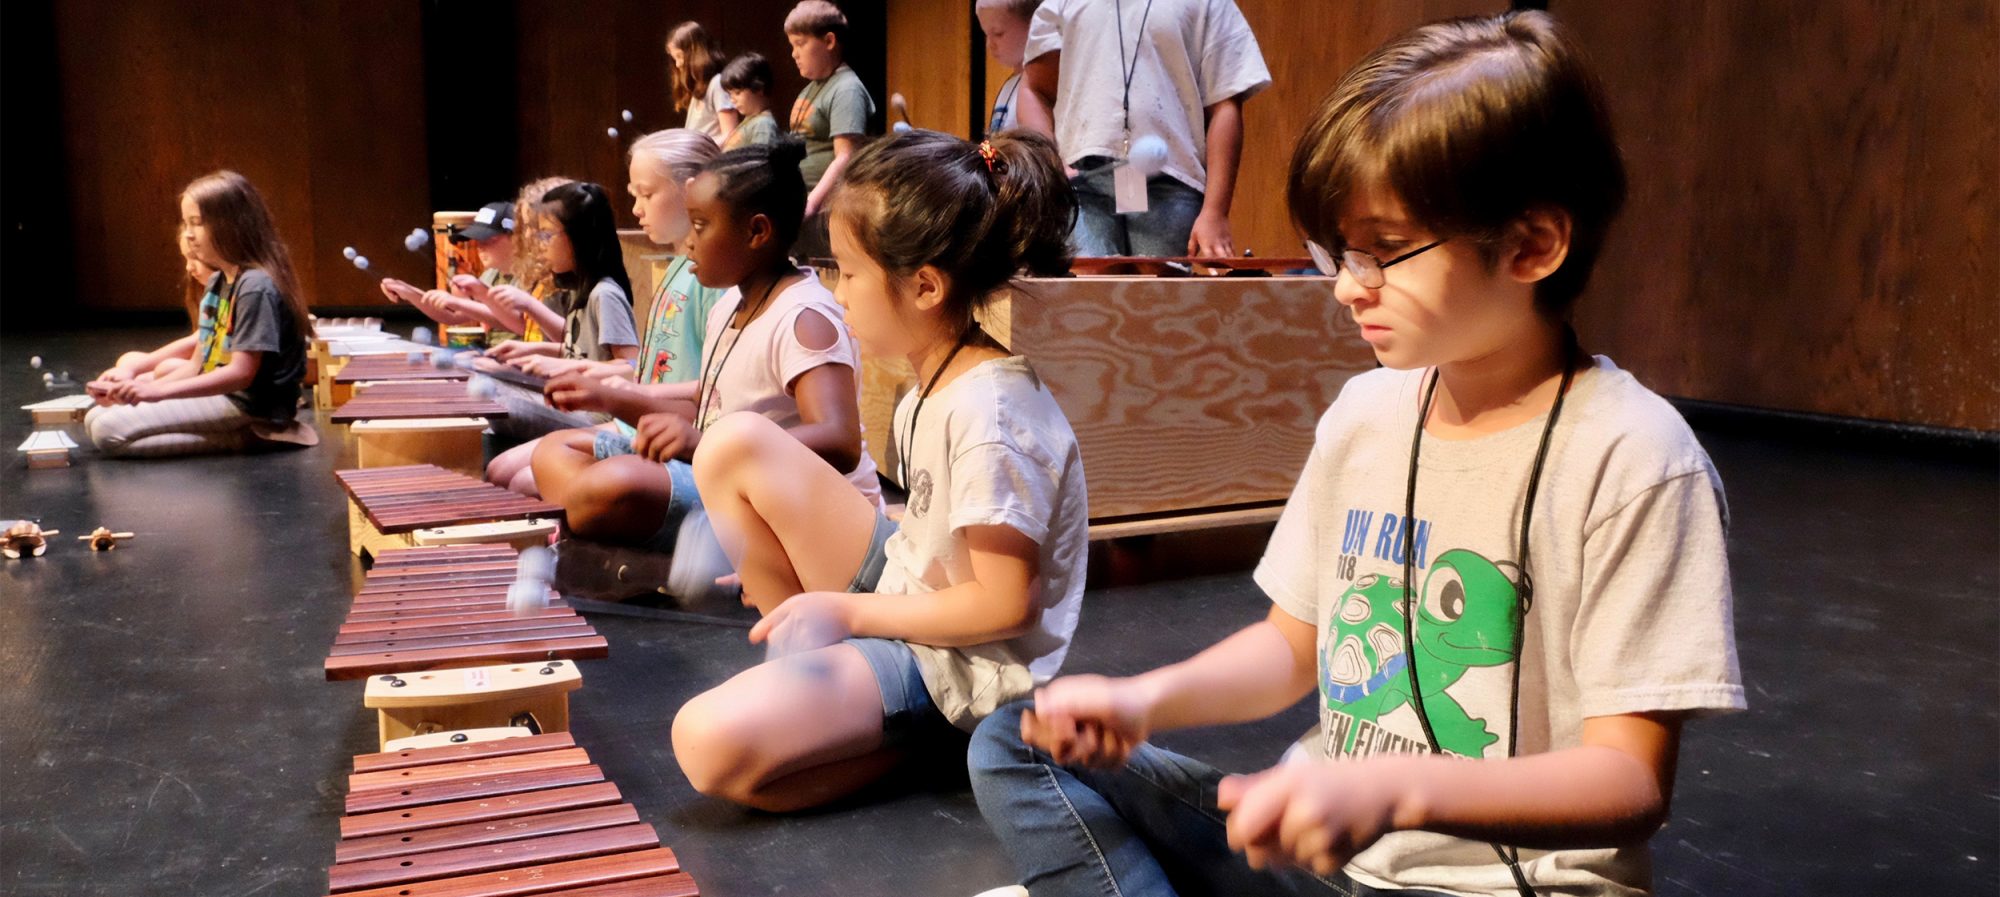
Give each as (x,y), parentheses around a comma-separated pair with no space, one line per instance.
(1468,615)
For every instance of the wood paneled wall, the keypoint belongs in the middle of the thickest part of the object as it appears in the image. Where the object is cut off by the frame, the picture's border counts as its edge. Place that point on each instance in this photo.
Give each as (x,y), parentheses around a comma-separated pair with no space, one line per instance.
(1815,190)
(1815,198)
(323,106)
(319,104)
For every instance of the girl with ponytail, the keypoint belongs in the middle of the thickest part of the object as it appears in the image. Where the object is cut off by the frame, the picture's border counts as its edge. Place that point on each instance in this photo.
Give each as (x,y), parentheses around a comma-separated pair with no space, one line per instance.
(889,642)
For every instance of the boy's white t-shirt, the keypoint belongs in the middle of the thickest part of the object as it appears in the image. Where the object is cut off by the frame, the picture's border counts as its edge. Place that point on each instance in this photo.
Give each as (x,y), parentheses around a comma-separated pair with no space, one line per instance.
(1192,55)
(1631,610)
(991,448)
(755,368)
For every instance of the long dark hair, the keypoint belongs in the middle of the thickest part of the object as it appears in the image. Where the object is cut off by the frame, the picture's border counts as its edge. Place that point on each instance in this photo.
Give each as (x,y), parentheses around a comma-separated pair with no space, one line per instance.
(981,213)
(703,60)
(583,210)
(241,229)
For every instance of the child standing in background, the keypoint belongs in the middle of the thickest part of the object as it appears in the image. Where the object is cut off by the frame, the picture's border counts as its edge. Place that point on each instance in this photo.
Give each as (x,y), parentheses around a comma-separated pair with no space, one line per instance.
(1113,74)
(831,113)
(698,84)
(747,78)
(1005,24)
(241,388)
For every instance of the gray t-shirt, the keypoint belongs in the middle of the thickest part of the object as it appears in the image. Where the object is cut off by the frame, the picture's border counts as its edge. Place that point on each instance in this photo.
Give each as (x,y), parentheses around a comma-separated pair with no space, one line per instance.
(262,321)
(596,326)
(838,106)
(992,448)
(1631,610)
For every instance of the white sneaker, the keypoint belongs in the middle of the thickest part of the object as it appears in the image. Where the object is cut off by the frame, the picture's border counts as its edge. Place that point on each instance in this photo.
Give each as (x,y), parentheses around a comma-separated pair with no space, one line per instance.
(1008,891)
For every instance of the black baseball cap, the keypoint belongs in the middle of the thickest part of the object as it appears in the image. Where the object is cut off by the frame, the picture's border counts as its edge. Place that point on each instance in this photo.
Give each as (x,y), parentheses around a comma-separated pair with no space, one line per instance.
(495,219)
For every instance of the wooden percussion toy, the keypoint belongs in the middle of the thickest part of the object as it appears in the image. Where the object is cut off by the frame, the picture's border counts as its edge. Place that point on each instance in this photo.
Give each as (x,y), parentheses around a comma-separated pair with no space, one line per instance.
(47,448)
(103,539)
(423,504)
(446,645)
(511,816)
(387,367)
(26,538)
(61,411)
(423,422)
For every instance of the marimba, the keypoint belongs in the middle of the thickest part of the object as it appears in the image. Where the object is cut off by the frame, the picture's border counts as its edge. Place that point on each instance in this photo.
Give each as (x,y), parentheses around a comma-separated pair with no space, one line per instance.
(422,504)
(60,411)
(47,448)
(490,818)
(432,631)
(386,368)
(420,422)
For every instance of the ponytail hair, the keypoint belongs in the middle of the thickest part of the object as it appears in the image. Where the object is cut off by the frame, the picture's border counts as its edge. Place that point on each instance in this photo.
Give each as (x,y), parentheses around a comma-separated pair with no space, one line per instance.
(764,179)
(981,213)
(583,210)
(243,232)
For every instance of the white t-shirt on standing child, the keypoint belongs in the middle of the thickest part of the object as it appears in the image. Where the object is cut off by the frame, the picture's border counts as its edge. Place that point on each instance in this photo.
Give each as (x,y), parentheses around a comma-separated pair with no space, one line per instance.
(991,448)
(754,369)
(1190,55)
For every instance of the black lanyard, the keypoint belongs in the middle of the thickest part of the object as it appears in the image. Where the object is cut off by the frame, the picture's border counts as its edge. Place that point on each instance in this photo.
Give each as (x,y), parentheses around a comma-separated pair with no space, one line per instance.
(909,444)
(715,368)
(1128,70)
(1526,585)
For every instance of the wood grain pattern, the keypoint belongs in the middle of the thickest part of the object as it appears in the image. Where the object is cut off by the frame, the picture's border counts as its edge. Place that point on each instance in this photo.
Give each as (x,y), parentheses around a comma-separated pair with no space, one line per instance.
(1815,197)
(930,61)
(489,857)
(490,786)
(551,741)
(391,822)
(477,833)
(540,878)
(1162,378)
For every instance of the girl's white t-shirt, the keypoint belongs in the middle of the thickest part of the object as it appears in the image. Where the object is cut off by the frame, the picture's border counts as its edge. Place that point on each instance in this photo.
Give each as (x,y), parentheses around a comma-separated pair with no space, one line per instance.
(991,447)
(753,369)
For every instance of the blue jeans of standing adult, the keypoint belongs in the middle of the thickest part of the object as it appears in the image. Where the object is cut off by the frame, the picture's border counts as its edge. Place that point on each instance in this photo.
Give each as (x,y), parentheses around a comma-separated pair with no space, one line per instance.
(1160,231)
(1149,829)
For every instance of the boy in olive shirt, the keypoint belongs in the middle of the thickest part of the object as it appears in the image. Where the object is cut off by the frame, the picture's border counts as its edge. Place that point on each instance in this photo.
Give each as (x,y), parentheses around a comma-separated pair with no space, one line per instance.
(831,114)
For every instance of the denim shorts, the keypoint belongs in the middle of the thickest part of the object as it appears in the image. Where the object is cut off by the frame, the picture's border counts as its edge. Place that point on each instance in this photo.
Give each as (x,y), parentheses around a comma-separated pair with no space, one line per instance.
(870,573)
(685,498)
(908,714)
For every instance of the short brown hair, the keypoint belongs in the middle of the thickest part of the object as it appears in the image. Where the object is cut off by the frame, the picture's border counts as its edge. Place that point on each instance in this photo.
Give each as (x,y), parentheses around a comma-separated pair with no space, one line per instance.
(812,18)
(1472,122)
(1020,9)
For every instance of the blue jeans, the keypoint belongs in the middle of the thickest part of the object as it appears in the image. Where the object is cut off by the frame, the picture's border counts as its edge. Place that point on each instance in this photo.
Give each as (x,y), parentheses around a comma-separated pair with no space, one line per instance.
(1149,829)
(1160,231)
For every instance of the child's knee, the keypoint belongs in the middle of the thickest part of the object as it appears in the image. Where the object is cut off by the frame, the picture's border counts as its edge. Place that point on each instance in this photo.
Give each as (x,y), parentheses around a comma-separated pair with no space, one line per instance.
(105,428)
(996,743)
(733,440)
(711,741)
(603,493)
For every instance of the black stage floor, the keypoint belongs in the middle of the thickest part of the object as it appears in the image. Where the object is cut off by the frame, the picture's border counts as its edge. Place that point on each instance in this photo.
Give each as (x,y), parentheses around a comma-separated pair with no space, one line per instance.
(165,728)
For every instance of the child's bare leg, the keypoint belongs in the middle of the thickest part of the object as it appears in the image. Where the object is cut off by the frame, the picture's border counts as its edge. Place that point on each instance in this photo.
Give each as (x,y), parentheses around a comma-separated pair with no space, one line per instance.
(744,740)
(559,457)
(788,520)
(508,464)
(622,500)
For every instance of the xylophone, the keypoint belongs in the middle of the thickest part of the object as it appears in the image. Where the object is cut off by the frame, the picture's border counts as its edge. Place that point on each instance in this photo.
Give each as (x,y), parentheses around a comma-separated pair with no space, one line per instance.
(59,411)
(385,367)
(422,504)
(432,629)
(490,818)
(47,448)
(414,400)
(1187,265)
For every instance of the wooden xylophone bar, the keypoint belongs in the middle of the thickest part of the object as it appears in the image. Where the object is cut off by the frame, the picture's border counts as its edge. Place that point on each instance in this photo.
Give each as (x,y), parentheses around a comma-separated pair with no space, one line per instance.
(394,367)
(402,499)
(416,401)
(447,607)
(493,819)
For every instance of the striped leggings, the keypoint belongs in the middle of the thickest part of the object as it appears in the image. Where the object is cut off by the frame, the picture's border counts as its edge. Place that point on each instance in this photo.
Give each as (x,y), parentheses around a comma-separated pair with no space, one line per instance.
(198,426)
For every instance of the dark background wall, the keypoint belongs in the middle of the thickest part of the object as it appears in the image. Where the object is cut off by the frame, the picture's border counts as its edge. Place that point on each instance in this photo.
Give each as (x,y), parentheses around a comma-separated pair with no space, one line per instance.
(356,120)
(1815,186)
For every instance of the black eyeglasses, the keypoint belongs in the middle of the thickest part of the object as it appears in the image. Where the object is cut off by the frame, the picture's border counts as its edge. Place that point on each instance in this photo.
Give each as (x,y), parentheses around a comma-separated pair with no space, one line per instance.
(1366,268)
